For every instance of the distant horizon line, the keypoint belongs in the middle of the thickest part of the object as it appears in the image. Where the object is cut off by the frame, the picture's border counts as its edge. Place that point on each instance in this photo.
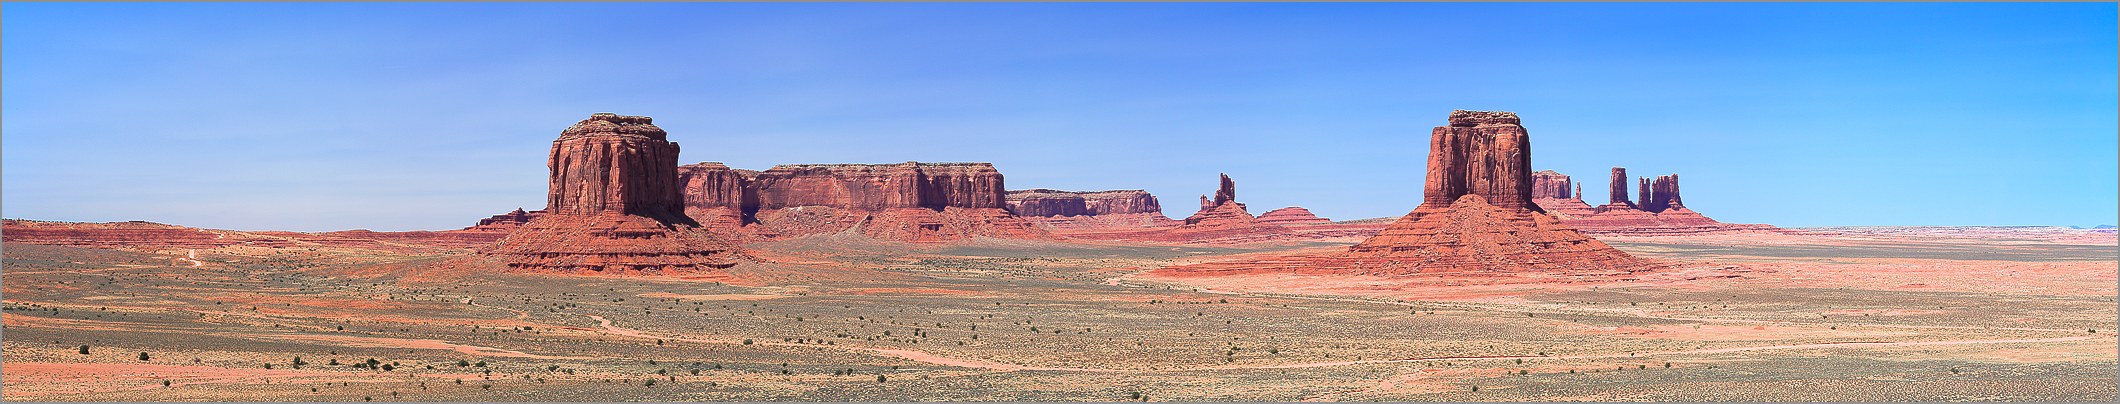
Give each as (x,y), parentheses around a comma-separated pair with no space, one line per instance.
(2077,227)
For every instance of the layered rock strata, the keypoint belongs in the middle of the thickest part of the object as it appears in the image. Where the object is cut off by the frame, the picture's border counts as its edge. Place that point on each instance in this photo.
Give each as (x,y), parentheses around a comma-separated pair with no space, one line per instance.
(1547,184)
(1060,210)
(614,205)
(911,201)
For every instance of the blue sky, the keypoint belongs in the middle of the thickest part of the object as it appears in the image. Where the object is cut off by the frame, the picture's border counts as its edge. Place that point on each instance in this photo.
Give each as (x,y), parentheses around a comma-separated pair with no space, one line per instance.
(397,116)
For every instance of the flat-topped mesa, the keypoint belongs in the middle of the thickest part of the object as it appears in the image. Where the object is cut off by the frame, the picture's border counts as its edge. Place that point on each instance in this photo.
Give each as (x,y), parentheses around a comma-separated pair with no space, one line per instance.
(506,221)
(908,201)
(875,187)
(1485,153)
(614,206)
(1050,203)
(1293,215)
(1548,184)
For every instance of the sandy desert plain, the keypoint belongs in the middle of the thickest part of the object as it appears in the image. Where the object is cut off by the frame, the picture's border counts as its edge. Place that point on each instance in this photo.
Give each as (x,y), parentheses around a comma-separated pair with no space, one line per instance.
(1809,314)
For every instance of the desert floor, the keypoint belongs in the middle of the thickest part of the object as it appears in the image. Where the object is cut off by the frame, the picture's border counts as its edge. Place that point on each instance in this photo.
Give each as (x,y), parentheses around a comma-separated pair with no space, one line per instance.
(1852,314)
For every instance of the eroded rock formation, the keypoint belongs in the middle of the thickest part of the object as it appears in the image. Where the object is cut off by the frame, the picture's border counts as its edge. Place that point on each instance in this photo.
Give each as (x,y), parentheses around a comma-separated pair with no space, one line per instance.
(1460,229)
(1063,210)
(1660,194)
(911,201)
(1479,158)
(1618,189)
(614,206)
(1047,202)
(1480,153)
(1547,184)
(1659,212)
(1221,219)
(505,222)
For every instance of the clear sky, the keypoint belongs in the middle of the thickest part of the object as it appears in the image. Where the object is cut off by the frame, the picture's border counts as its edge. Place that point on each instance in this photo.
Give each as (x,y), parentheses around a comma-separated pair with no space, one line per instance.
(395,116)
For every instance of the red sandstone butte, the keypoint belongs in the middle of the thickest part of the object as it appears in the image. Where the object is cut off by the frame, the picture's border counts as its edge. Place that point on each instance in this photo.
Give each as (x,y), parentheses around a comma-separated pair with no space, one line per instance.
(1547,184)
(911,201)
(614,206)
(1551,192)
(1476,160)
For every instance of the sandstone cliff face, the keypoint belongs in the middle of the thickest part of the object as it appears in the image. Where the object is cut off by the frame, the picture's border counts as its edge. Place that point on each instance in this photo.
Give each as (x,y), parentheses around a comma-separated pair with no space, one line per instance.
(614,206)
(616,163)
(1226,192)
(911,201)
(1480,153)
(1547,184)
(1618,189)
(1660,194)
(1048,203)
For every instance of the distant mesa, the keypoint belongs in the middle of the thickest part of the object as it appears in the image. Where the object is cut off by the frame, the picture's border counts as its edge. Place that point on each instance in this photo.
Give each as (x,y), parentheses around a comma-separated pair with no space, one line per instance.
(165,238)
(1293,215)
(911,201)
(1064,210)
(614,206)
(1220,220)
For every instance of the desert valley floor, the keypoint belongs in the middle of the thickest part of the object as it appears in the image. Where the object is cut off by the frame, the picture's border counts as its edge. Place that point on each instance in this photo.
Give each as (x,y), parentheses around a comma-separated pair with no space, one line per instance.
(1818,314)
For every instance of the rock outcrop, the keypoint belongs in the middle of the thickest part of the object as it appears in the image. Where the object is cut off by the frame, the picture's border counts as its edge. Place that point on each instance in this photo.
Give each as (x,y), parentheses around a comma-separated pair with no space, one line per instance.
(1547,184)
(1550,191)
(1660,211)
(133,235)
(1066,210)
(911,201)
(1291,216)
(1459,228)
(1618,190)
(614,206)
(1660,194)
(1048,203)
(505,222)
(1221,220)
(1480,153)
